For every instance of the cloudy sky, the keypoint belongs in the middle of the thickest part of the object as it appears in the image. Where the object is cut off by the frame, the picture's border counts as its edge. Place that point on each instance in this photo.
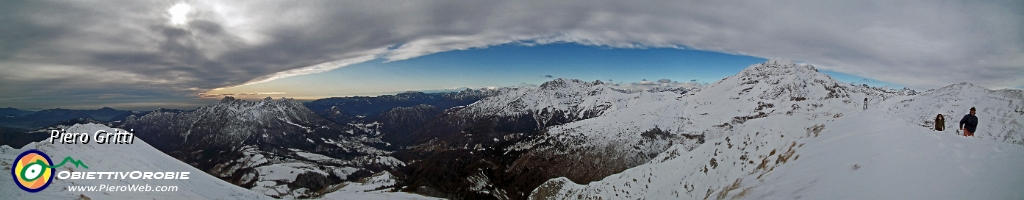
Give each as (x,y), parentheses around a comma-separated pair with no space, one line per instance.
(148,54)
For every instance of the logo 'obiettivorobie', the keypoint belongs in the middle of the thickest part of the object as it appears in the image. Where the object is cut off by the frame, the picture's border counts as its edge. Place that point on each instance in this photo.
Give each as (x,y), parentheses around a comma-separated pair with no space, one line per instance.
(29,174)
(33,170)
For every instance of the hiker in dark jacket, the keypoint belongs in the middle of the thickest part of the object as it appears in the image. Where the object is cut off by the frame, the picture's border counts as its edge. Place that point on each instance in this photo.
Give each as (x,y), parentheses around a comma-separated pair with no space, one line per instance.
(969,123)
(940,123)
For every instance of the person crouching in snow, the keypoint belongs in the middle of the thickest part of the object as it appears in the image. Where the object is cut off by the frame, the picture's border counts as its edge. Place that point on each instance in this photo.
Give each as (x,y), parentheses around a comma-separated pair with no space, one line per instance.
(940,123)
(969,123)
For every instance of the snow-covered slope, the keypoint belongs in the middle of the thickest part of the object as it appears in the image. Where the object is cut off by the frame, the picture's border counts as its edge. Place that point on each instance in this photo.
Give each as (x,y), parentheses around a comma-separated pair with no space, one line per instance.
(373,187)
(139,156)
(999,111)
(870,155)
(758,122)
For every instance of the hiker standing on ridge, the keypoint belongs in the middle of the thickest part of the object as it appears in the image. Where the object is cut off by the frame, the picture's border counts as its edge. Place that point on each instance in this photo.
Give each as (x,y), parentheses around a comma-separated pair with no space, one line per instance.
(865,103)
(940,123)
(969,123)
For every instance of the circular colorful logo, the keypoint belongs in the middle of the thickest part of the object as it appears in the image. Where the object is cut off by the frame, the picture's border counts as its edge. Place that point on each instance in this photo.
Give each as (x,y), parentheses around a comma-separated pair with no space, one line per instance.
(32,171)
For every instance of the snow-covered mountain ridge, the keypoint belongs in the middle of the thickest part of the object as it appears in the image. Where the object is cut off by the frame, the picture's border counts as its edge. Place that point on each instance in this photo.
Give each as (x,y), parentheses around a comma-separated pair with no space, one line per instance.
(484,141)
(567,99)
(757,123)
(622,138)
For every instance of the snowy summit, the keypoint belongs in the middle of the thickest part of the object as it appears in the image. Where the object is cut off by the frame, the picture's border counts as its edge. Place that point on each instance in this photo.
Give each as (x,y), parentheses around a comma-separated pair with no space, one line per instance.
(778,130)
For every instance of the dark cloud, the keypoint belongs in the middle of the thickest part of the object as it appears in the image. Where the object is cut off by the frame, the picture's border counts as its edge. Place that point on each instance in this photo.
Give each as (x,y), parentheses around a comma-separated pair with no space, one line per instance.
(52,48)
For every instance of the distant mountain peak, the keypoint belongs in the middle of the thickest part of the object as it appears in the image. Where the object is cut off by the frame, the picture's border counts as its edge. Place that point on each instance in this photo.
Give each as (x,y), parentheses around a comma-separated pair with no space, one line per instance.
(227,99)
(778,67)
(414,92)
(779,61)
(566,83)
(780,79)
(964,85)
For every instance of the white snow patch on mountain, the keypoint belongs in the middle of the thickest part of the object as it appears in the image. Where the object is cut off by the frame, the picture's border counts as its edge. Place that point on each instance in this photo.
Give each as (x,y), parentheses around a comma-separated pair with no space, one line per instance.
(373,187)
